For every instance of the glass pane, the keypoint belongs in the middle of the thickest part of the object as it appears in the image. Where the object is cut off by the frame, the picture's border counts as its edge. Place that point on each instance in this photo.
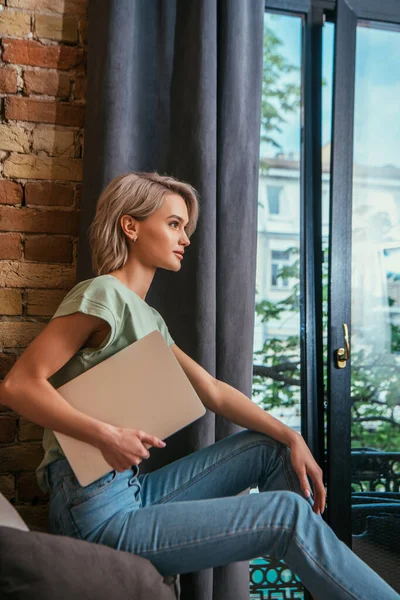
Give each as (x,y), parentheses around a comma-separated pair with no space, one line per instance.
(328,34)
(276,373)
(375,335)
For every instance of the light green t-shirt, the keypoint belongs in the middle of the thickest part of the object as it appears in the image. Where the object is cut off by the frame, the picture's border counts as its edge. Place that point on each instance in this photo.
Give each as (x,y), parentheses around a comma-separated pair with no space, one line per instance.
(130,319)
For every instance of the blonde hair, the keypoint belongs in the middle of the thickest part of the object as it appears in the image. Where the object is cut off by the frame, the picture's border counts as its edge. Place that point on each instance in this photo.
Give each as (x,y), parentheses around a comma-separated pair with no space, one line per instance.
(139,195)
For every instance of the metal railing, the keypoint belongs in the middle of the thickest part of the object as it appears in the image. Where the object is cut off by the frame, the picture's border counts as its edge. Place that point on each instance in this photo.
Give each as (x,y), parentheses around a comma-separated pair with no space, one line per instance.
(375,514)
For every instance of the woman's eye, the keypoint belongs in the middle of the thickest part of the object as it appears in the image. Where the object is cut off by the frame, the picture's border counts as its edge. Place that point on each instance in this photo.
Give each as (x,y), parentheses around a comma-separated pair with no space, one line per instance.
(174,223)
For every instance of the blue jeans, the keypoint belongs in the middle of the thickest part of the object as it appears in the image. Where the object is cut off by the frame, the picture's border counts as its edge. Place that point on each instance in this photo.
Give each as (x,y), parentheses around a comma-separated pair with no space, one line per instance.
(187,516)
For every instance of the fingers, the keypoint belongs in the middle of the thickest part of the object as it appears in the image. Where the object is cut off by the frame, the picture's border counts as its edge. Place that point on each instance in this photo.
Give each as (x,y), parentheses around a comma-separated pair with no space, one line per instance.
(151,439)
(320,492)
(144,453)
(304,484)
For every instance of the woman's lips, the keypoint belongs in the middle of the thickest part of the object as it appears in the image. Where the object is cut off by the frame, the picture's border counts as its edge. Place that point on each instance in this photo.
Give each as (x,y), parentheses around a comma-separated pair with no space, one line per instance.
(178,254)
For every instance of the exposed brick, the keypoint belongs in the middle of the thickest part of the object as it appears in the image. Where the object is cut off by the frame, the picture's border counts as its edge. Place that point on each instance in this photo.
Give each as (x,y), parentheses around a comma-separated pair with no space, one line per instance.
(50,83)
(8,428)
(10,246)
(13,457)
(6,363)
(14,138)
(14,23)
(47,193)
(35,275)
(8,81)
(56,142)
(10,192)
(64,7)
(30,52)
(83,30)
(38,221)
(30,166)
(44,302)
(29,431)
(55,27)
(19,334)
(80,86)
(43,111)
(78,196)
(48,249)
(34,517)
(28,487)
(7,486)
(10,302)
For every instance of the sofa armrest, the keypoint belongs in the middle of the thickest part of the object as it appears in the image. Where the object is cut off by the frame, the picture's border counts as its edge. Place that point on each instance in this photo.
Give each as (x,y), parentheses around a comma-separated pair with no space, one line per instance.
(9,517)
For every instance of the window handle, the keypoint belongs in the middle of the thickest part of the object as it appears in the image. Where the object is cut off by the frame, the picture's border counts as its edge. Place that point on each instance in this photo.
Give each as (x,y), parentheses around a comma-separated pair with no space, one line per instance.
(343,354)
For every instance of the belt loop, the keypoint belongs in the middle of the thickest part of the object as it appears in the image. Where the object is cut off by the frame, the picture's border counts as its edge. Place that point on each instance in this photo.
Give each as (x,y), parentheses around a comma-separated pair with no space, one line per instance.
(135,470)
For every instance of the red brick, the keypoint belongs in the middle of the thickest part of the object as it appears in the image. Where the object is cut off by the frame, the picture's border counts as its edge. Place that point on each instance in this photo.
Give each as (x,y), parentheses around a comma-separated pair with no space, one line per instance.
(50,83)
(47,193)
(8,428)
(10,192)
(29,52)
(42,111)
(78,196)
(8,81)
(37,221)
(10,246)
(80,86)
(6,363)
(48,249)
(26,456)
(14,274)
(10,302)
(44,302)
(28,430)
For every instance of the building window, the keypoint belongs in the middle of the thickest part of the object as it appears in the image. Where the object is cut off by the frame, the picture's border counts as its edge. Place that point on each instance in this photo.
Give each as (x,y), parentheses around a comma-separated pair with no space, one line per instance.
(279,260)
(273,194)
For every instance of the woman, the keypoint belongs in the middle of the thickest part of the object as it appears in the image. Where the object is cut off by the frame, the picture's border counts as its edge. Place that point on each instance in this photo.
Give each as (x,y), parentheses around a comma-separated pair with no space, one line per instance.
(186,516)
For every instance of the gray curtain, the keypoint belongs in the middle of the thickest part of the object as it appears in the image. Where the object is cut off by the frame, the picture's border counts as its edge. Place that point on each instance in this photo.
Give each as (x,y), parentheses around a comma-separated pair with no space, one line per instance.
(175,86)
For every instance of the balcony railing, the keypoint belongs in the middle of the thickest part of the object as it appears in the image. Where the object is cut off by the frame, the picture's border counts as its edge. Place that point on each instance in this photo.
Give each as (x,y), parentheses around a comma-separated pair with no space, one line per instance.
(375,520)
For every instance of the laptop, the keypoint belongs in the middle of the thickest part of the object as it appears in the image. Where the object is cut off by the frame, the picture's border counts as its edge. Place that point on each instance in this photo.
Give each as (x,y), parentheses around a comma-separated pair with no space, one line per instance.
(143,387)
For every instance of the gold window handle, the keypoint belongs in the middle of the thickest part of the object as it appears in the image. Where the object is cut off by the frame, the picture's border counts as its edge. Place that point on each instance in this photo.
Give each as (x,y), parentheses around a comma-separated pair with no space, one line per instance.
(343,354)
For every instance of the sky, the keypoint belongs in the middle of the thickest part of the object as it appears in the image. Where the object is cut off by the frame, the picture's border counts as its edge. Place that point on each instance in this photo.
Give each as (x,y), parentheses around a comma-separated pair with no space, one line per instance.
(377,91)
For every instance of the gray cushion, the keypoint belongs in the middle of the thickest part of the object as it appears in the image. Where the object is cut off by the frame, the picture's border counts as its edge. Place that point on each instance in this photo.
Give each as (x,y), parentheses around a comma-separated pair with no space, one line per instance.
(37,565)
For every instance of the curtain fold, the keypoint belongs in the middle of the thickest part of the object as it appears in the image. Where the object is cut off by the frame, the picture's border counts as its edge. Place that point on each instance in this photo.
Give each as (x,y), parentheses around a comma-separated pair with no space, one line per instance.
(175,87)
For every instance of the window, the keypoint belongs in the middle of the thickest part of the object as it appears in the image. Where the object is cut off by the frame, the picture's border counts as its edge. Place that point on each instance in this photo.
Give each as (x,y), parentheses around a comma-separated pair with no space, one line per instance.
(279,260)
(273,194)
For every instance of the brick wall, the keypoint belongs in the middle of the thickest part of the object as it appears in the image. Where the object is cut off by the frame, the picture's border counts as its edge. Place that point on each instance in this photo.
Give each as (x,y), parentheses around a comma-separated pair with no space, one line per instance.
(42,105)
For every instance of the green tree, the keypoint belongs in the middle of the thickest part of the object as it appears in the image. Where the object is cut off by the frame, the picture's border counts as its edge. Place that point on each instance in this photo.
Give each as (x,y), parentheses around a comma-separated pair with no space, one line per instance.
(279,97)
(375,384)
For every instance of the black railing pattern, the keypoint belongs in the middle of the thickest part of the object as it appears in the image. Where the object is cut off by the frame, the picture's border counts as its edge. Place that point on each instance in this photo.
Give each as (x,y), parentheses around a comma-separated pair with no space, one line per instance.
(375,496)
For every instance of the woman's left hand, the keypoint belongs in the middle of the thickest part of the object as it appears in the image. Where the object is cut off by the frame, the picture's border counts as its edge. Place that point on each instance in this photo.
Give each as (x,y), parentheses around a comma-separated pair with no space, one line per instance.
(304,464)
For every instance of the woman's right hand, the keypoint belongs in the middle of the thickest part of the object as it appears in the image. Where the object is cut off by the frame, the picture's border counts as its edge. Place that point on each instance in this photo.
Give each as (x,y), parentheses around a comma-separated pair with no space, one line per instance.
(126,447)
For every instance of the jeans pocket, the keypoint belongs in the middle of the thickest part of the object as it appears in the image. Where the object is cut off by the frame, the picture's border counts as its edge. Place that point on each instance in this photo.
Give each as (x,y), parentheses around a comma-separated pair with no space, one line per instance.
(92,507)
(83,494)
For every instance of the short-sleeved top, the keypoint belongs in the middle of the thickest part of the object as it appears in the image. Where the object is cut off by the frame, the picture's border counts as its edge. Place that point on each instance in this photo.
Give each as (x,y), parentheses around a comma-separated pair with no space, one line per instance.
(130,319)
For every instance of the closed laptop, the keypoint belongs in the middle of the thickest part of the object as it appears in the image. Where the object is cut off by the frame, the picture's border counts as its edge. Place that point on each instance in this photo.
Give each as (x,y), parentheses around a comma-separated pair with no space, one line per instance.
(142,387)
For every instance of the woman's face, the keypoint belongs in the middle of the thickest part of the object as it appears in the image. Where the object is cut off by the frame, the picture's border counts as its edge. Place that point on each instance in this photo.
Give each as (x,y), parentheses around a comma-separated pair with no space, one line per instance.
(162,235)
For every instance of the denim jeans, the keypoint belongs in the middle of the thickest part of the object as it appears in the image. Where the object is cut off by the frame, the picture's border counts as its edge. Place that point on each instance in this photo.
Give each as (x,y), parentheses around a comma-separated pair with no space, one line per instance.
(187,516)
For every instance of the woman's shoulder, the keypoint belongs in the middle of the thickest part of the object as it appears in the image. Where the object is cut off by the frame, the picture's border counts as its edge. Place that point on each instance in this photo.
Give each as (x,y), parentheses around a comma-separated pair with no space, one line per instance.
(99,289)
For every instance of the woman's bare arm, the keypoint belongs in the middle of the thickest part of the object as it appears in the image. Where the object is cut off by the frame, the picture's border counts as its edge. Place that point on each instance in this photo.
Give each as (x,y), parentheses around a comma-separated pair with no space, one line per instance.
(26,390)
